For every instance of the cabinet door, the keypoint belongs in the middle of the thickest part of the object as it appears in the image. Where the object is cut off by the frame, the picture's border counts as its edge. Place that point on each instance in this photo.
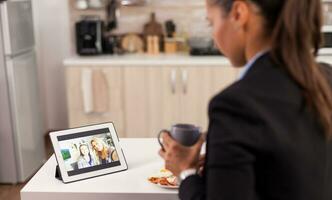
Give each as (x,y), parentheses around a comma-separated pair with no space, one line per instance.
(151,102)
(199,85)
(164,98)
(135,101)
(196,92)
(223,77)
(77,103)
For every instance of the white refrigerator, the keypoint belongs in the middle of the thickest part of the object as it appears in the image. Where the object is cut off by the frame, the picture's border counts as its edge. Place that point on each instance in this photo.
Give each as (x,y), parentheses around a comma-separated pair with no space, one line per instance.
(21,121)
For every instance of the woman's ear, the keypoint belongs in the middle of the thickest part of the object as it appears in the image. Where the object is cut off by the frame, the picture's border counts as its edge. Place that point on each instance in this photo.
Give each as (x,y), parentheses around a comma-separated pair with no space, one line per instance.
(240,14)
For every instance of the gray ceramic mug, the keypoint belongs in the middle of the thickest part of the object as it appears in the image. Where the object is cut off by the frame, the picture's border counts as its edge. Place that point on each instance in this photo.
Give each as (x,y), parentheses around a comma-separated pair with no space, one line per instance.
(185,134)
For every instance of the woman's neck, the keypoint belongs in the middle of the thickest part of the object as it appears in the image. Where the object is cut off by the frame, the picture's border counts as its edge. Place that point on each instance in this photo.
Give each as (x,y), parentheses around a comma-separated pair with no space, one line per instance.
(257,39)
(255,47)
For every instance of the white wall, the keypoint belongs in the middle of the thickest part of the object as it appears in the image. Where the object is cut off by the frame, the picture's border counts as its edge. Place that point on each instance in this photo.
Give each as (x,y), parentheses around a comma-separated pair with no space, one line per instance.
(188,15)
(53,45)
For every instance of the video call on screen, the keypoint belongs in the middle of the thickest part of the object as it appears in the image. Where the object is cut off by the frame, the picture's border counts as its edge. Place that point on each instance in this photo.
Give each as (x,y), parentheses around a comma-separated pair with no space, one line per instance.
(88,151)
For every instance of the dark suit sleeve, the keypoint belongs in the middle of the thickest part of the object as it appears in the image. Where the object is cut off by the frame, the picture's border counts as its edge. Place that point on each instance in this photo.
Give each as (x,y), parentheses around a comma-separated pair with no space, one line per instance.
(233,139)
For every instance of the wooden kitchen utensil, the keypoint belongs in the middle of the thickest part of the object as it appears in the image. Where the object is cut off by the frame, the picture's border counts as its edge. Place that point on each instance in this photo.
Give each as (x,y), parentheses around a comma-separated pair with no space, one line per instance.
(132,43)
(153,27)
(151,30)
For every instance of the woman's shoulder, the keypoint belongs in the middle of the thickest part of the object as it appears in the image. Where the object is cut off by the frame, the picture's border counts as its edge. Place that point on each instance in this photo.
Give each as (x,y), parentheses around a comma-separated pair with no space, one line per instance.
(242,100)
(262,90)
(233,94)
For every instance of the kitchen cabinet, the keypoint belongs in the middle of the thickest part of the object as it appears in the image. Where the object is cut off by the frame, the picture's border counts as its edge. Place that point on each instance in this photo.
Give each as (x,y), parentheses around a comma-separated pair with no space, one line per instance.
(198,85)
(135,101)
(76,102)
(158,97)
(145,98)
(196,91)
(222,77)
(150,100)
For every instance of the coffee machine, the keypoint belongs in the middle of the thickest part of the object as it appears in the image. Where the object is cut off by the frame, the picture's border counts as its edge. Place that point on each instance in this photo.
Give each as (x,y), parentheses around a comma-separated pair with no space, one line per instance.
(89,36)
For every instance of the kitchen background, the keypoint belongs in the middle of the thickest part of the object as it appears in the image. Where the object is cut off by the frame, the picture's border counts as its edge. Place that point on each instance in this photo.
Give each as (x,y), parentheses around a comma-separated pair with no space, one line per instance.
(55,38)
(54,29)
(145,73)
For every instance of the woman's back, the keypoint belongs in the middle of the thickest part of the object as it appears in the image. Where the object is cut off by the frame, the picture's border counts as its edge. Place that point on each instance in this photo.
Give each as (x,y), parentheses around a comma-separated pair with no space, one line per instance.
(261,128)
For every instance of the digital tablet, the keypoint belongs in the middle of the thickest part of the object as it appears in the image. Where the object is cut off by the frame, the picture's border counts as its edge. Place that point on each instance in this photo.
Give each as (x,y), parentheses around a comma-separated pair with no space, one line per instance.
(88,152)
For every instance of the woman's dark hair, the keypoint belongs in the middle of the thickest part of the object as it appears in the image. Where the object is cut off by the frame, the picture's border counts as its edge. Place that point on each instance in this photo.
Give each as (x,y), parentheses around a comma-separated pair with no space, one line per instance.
(295,30)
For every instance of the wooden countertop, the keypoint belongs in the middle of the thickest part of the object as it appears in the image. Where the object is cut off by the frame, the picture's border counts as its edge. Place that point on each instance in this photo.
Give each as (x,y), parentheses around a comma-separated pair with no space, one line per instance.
(156,60)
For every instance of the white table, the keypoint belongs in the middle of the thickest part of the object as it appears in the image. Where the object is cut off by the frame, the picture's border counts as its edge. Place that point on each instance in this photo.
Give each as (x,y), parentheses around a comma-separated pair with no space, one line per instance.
(143,161)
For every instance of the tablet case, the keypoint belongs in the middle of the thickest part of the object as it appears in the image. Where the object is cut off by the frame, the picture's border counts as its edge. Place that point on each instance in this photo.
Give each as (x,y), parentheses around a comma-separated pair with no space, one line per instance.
(58,173)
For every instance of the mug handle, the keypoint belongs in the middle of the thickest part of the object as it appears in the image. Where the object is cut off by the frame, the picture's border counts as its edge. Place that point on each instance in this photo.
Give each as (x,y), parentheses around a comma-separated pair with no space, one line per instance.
(161,144)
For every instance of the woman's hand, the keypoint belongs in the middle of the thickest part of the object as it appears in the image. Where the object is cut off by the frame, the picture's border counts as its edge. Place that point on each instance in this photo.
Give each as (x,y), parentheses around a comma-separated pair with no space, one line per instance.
(178,157)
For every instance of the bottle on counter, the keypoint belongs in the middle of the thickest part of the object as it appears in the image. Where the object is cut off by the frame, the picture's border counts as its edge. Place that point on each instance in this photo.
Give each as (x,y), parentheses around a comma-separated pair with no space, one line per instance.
(153,47)
(170,45)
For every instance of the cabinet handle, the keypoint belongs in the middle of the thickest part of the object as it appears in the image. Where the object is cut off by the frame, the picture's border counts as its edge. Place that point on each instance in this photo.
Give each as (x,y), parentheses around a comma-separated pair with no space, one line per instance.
(185,81)
(173,81)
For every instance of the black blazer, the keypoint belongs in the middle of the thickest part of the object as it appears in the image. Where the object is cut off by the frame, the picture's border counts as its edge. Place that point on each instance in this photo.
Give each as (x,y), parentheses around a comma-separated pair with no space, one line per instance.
(263,143)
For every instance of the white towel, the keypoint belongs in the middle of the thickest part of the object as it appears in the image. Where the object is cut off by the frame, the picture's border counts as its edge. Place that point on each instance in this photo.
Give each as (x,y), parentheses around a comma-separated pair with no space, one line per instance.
(94,91)
(86,86)
(100,90)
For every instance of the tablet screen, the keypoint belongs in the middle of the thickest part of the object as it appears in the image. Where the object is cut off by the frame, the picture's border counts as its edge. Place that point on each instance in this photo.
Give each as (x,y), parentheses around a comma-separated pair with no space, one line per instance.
(88,151)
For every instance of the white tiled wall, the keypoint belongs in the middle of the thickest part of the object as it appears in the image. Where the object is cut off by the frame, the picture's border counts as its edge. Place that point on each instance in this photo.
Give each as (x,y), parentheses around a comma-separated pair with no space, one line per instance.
(327,11)
(191,21)
(188,15)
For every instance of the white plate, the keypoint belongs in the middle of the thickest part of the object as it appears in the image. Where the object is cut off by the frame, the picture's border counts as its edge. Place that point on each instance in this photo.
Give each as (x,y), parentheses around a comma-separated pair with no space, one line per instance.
(165,186)
(163,173)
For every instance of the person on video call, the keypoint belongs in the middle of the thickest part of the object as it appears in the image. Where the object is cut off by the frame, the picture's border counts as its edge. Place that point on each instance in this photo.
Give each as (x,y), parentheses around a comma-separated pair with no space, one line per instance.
(85,159)
(269,133)
(103,151)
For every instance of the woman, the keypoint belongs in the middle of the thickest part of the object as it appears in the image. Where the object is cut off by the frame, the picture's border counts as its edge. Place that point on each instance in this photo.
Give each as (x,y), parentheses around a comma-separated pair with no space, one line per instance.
(85,160)
(103,152)
(269,133)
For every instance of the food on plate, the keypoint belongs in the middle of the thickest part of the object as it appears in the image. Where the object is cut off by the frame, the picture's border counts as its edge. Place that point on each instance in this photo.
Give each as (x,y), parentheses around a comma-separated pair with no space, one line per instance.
(165,178)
